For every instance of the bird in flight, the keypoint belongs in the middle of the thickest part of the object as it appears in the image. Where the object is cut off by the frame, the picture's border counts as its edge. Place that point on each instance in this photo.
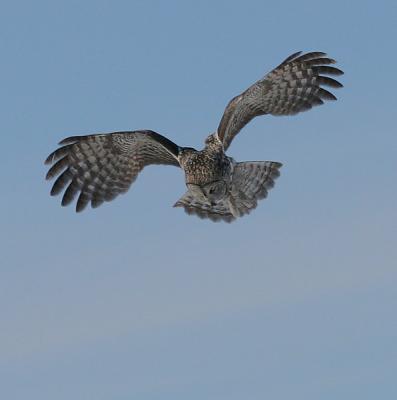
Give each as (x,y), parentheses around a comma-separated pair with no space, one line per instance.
(99,167)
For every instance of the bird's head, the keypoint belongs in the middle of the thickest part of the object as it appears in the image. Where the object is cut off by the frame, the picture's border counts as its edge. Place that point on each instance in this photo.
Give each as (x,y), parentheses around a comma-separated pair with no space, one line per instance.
(213,140)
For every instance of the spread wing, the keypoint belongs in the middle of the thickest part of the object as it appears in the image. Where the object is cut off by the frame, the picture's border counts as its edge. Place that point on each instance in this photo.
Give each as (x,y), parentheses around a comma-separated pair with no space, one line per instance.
(100,167)
(292,87)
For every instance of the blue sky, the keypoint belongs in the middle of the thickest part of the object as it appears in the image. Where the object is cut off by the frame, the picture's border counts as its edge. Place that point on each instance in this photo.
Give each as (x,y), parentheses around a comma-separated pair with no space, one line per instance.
(136,300)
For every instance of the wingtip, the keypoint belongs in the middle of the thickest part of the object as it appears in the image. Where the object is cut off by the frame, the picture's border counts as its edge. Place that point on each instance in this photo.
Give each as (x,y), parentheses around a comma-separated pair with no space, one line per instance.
(78,209)
(49,160)
(275,164)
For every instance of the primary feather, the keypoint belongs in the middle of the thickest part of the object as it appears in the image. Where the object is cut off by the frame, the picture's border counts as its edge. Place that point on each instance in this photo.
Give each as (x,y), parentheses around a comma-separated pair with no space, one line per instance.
(292,87)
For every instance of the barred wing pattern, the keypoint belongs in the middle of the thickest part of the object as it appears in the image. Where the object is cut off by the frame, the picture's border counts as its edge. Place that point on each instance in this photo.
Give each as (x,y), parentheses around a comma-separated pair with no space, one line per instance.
(292,87)
(100,167)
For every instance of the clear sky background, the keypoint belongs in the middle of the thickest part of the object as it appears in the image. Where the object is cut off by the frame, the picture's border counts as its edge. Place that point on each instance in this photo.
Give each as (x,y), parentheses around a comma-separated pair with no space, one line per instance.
(137,300)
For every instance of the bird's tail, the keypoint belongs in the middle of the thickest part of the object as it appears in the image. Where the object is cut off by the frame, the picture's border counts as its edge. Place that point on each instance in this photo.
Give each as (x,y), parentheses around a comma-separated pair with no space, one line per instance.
(200,206)
(251,182)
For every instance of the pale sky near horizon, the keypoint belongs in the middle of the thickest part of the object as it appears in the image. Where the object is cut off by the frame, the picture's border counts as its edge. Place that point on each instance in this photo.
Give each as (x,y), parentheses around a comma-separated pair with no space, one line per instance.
(137,300)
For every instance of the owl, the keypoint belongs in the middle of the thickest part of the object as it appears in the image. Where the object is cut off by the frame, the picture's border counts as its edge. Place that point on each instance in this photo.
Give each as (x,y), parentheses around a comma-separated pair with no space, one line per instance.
(97,168)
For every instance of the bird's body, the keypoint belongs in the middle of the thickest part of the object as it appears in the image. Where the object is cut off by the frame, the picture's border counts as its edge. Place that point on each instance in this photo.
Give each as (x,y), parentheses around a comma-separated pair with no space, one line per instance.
(208,165)
(215,182)
(99,167)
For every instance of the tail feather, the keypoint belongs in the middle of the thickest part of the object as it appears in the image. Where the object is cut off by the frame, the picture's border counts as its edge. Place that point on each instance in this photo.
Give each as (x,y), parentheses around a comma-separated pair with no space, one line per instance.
(251,182)
(200,207)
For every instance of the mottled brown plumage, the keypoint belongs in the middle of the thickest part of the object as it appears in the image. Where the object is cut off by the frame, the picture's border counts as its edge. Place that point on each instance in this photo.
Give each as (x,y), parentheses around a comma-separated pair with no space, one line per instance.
(97,168)
(292,87)
(100,167)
